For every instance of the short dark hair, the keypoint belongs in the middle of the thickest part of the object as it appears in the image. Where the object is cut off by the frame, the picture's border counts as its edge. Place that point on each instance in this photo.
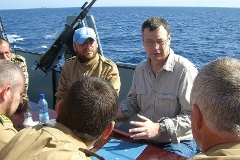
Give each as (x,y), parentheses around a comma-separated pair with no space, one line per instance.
(89,107)
(155,22)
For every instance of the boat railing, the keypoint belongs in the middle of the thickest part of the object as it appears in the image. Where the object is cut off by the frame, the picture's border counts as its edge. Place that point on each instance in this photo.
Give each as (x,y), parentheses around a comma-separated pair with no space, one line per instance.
(50,82)
(2,31)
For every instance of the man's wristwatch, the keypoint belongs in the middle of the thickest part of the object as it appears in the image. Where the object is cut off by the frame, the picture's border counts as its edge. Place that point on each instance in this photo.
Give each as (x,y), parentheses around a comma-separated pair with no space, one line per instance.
(162,128)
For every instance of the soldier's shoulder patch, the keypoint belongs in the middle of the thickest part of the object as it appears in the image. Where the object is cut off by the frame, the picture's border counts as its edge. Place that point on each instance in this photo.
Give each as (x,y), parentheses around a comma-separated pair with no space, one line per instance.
(108,61)
(4,119)
(73,57)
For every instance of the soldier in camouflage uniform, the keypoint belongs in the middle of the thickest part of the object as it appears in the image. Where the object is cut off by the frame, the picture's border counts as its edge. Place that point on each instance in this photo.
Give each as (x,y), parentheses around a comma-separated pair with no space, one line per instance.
(87,63)
(11,89)
(21,62)
(6,53)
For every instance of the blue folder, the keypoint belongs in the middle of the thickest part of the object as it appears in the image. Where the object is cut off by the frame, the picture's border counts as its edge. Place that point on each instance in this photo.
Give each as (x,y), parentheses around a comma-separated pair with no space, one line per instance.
(120,150)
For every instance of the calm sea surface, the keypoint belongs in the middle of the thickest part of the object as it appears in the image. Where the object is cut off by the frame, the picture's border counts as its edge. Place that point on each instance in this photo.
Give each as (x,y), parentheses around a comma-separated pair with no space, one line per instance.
(199,34)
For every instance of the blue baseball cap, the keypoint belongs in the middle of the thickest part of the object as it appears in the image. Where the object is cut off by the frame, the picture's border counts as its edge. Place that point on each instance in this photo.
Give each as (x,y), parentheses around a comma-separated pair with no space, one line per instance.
(81,34)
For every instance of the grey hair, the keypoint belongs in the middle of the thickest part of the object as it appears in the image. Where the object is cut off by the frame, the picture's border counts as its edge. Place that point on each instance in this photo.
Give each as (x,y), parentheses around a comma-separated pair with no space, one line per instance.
(216,91)
(9,74)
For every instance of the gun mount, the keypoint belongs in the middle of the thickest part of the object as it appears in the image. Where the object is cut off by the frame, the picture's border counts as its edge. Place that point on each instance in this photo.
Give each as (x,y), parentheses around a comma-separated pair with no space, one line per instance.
(63,44)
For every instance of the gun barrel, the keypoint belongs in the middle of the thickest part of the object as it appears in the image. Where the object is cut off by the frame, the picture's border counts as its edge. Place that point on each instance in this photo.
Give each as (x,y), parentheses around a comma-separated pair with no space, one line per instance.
(84,5)
(82,14)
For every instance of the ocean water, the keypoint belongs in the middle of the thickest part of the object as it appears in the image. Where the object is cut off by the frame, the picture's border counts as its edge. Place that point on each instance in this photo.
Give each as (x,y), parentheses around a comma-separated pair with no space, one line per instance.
(199,34)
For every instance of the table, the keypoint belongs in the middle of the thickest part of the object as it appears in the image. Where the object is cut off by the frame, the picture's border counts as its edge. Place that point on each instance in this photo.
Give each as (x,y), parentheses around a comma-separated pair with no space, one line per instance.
(18,118)
(150,152)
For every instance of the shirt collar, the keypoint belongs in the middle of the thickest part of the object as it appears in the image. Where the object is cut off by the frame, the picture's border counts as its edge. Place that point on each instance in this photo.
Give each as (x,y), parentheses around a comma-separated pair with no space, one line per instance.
(223,147)
(168,65)
(71,135)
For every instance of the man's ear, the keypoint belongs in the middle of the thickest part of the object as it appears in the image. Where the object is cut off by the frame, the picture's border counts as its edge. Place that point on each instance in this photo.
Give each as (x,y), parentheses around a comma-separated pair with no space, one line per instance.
(108,130)
(5,92)
(74,47)
(96,42)
(198,118)
(169,38)
(58,106)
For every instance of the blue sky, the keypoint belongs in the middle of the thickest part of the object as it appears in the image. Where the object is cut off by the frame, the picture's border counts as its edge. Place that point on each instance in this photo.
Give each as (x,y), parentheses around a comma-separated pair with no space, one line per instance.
(22,4)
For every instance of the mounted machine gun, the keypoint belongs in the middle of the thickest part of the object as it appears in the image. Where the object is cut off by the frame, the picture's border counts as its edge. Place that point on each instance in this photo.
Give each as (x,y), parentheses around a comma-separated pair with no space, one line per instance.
(62,44)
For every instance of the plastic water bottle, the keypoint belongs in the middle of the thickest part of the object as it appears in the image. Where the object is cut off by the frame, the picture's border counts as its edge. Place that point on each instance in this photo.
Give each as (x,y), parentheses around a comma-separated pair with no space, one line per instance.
(43,110)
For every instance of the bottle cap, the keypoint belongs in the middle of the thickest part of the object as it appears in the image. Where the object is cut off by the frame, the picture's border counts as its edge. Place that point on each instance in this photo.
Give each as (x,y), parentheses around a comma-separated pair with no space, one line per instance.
(42,96)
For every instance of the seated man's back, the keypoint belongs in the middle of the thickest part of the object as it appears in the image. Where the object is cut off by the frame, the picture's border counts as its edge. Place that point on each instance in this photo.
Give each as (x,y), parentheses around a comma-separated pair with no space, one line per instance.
(215,102)
(85,115)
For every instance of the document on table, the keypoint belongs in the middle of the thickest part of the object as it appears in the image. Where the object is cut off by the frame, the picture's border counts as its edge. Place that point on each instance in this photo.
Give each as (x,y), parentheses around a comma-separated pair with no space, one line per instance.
(123,129)
(120,150)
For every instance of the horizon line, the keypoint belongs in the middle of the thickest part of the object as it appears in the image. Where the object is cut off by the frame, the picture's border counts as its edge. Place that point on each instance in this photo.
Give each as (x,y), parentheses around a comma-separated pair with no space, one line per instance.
(45,7)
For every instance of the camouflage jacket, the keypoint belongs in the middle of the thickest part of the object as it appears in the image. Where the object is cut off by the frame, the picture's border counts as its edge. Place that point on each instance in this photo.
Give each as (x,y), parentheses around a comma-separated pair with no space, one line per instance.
(21,62)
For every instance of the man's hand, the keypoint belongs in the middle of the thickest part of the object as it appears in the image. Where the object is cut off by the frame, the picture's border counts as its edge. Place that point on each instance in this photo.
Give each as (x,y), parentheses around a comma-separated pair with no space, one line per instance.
(146,129)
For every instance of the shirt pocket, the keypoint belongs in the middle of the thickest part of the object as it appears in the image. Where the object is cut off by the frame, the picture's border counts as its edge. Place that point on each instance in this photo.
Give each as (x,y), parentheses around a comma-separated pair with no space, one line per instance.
(141,96)
(145,102)
(167,96)
(168,103)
